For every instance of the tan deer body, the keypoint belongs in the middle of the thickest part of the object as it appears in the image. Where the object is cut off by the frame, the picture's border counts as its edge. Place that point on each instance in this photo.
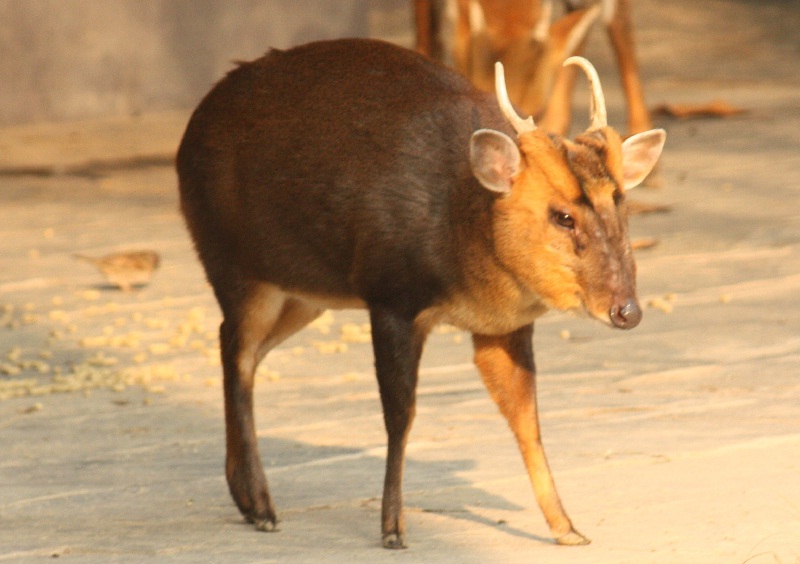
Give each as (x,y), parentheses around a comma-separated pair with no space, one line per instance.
(353,173)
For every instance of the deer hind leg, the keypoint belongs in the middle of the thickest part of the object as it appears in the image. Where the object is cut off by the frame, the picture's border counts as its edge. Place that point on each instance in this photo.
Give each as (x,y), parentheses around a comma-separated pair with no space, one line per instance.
(567,37)
(620,32)
(558,113)
(397,345)
(429,18)
(506,366)
(256,320)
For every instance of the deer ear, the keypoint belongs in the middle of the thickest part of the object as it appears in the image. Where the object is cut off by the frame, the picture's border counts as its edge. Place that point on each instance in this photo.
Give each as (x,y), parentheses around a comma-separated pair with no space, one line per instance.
(495,159)
(640,153)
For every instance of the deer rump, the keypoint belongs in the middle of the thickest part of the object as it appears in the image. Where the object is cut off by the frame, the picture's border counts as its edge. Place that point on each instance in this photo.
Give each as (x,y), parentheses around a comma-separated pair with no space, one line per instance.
(337,170)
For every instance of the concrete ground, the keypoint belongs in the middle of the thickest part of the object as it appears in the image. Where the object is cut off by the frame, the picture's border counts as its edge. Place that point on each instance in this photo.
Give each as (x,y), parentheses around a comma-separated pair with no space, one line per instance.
(676,442)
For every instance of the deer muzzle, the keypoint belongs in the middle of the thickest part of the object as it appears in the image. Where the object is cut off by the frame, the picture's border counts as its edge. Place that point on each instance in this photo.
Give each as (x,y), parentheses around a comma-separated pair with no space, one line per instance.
(626,315)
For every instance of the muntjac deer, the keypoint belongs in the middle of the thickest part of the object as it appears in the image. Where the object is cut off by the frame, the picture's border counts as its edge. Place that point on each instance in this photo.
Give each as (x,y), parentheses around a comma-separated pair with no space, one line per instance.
(357,174)
(518,34)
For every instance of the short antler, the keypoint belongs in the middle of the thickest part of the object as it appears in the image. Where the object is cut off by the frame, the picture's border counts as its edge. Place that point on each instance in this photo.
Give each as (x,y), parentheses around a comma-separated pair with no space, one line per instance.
(599,116)
(520,125)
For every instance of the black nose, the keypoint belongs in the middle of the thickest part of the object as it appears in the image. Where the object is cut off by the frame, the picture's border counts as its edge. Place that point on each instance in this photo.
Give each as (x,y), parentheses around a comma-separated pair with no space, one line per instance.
(627,315)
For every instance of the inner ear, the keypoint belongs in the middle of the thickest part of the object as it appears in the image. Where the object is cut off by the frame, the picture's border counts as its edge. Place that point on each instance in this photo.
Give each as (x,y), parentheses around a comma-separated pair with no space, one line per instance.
(495,159)
(640,154)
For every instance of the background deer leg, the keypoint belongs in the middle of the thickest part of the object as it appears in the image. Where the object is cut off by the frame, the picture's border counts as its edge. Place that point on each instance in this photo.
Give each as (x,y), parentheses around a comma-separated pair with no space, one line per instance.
(620,32)
(558,113)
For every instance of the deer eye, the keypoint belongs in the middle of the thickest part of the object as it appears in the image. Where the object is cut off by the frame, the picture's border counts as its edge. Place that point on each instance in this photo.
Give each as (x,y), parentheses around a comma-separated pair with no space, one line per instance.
(564,219)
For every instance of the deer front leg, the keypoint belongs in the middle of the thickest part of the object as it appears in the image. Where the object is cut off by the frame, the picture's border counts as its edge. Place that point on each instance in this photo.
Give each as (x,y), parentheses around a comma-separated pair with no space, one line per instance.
(398,347)
(506,366)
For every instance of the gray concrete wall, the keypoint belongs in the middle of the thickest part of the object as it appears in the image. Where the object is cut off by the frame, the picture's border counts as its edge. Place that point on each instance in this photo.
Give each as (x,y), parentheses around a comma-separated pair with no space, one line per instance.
(74,59)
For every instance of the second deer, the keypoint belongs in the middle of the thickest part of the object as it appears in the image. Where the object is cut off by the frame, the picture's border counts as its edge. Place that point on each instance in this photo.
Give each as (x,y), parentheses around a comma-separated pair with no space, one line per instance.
(519,33)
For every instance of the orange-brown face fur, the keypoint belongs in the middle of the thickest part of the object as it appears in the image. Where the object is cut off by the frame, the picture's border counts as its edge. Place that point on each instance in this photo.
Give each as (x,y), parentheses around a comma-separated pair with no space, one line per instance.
(588,266)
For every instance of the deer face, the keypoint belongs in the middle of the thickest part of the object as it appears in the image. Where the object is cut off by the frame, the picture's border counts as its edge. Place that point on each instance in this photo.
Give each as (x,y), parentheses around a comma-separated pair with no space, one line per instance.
(561,225)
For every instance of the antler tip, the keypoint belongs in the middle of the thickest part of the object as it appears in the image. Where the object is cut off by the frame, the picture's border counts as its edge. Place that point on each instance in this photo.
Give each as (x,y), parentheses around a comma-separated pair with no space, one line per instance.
(576,60)
(599,118)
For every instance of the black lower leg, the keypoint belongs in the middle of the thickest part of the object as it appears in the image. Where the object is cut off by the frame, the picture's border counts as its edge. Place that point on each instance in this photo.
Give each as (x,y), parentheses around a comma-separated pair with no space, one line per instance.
(397,346)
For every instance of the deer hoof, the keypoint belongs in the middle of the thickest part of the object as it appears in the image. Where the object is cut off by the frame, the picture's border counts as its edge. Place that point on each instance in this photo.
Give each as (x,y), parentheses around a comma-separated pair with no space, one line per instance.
(394,541)
(266,525)
(572,538)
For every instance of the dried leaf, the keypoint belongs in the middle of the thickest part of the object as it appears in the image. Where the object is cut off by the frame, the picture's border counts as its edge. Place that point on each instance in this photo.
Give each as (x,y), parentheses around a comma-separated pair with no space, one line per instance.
(645,243)
(639,208)
(715,108)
